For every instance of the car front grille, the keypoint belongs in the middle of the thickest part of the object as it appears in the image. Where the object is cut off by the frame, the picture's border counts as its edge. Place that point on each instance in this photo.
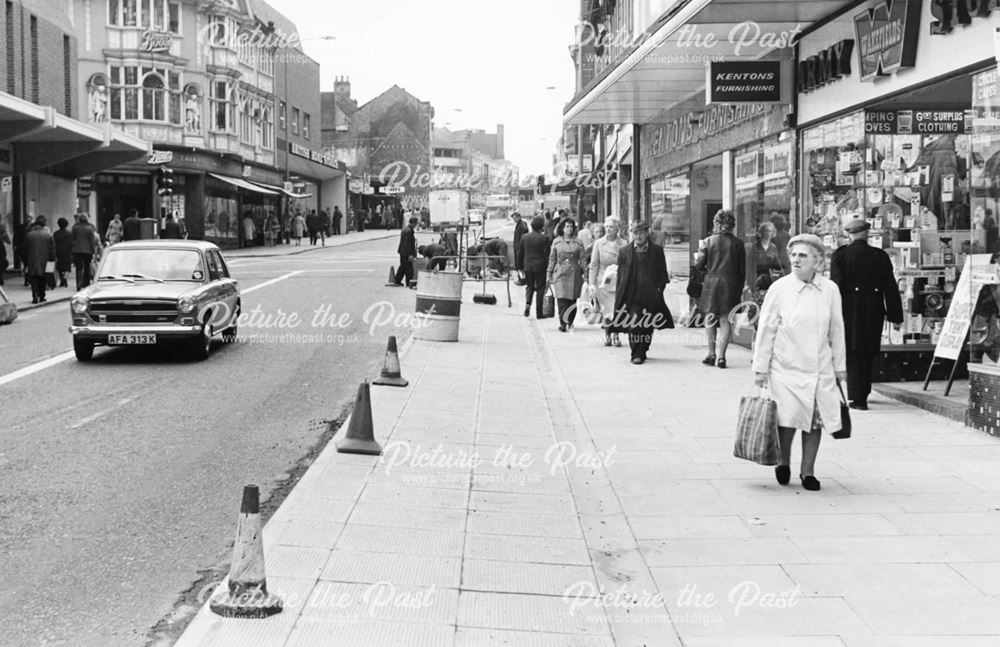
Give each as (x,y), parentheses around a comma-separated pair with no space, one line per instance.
(133,311)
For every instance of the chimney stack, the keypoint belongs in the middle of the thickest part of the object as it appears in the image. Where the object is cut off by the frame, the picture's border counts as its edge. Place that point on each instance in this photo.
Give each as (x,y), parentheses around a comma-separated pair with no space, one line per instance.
(342,87)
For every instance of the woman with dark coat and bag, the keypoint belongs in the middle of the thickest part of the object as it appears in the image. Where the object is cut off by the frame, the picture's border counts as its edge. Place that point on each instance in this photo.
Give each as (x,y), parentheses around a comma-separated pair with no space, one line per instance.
(639,305)
(64,251)
(724,264)
(567,261)
(39,249)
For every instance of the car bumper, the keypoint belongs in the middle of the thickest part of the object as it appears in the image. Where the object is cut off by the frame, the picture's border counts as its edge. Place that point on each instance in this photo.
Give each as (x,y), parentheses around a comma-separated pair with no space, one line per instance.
(100,333)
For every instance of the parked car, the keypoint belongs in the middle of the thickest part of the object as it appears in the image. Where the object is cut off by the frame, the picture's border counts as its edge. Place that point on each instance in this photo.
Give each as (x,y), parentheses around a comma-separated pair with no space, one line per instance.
(150,292)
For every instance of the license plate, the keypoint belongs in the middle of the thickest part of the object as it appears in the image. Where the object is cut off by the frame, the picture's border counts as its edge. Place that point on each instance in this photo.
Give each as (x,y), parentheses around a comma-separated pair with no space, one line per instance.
(115,340)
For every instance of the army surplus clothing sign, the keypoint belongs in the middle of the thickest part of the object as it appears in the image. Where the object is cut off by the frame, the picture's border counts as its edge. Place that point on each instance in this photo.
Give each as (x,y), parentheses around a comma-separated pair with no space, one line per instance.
(887,37)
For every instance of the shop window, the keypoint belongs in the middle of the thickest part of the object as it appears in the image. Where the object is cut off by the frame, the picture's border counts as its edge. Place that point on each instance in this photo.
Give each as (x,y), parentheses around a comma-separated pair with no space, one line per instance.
(670,200)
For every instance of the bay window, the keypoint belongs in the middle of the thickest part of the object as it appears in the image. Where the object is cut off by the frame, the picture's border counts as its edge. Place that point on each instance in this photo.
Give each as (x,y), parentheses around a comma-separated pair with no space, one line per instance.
(145,93)
(161,15)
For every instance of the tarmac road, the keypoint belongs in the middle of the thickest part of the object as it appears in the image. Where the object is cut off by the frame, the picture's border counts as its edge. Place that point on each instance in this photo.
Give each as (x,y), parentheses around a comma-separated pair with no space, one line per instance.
(120,479)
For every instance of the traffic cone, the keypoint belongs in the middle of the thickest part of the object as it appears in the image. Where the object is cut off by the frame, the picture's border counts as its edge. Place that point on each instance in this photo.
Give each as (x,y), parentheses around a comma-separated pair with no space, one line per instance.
(390,368)
(247,596)
(360,437)
(392,277)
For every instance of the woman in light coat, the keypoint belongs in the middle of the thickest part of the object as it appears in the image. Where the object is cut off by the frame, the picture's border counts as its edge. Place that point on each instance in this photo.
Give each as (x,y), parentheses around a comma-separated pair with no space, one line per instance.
(801,353)
(603,256)
(567,260)
(298,227)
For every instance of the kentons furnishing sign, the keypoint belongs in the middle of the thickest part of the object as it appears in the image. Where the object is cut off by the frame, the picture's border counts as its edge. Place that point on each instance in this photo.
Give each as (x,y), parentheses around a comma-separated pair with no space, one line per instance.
(743,82)
(887,37)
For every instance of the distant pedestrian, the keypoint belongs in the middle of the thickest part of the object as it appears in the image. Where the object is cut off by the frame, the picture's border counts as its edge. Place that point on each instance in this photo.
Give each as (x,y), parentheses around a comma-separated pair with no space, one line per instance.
(361,220)
(766,262)
(407,251)
(337,217)
(63,240)
(86,245)
(565,272)
(550,224)
(272,229)
(324,225)
(800,352)
(586,236)
(869,295)
(171,228)
(533,254)
(603,257)
(298,227)
(4,241)
(39,249)
(114,233)
(132,226)
(724,264)
(249,229)
(639,306)
(520,229)
(312,225)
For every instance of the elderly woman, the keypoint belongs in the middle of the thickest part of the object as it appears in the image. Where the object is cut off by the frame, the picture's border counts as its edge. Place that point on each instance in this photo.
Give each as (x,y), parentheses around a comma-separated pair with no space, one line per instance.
(724,264)
(765,260)
(800,351)
(567,261)
(602,284)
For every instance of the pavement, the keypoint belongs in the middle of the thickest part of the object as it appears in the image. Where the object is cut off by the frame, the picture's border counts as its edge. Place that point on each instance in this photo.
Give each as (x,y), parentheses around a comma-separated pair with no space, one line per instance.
(536,488)
(20,294)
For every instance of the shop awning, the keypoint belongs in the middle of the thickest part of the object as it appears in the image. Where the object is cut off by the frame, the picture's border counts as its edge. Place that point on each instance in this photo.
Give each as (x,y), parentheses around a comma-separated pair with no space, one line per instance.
(282,191)
(243,184)
(667,68)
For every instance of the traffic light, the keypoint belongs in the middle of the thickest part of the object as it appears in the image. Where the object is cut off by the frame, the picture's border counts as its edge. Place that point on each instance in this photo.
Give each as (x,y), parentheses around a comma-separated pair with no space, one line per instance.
(164,181)
(84,187)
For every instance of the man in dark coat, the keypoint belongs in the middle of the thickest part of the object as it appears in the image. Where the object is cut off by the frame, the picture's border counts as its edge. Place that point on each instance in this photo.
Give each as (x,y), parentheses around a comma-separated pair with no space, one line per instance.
(312,224)
(86,244)
(39,249)
(639,305)
(532,254)
(337,217)
(132,226)
(869,295)
(407,251)
(64,251)
(520,229)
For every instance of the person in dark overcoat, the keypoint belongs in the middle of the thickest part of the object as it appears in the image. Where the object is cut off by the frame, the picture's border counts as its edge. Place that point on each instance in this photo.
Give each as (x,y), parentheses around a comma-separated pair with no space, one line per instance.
(39,249)
(64,251)
(724,263)
(86,245)
(869,295)
(520,229)
(407,251)
(639,305)
(532,252)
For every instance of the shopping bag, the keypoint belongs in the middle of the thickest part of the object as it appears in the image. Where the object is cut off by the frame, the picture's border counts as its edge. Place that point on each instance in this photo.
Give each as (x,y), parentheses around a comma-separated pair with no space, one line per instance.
(845,417)
(549,304)
(588,306)
(8,309)
(757,430)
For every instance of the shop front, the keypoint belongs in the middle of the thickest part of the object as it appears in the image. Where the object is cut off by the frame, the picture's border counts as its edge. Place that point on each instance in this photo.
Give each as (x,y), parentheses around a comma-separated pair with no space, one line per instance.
(319,181)
(899,114)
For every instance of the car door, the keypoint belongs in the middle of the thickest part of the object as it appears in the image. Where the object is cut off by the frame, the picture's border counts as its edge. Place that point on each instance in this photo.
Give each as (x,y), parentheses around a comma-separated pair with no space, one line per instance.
(229,291)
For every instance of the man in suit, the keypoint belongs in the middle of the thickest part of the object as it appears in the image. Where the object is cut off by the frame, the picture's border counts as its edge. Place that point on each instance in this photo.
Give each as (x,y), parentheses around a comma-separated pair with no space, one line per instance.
(869,295)
(639,305)
(520,229)
(132,227)
(407,251)
(532,254)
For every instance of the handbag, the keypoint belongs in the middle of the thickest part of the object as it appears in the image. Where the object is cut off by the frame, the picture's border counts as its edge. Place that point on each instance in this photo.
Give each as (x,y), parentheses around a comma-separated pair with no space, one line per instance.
(589,307)
(549,304)
(696,282)
(845,417)
(757,430)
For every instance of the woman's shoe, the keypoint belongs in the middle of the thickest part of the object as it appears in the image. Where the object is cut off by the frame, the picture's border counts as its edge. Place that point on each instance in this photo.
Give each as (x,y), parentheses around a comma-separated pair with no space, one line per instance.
(618,341)
(607,339)
(722,362)
(562,327)
(783,473)
(810,483)
(709,361)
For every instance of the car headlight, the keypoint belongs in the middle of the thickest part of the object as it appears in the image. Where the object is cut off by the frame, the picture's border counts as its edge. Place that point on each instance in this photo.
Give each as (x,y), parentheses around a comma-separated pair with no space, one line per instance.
(186,305)
(79,304)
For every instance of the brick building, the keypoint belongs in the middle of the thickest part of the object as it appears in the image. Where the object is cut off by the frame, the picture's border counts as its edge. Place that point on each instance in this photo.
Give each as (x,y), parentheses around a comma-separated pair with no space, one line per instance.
(44,149)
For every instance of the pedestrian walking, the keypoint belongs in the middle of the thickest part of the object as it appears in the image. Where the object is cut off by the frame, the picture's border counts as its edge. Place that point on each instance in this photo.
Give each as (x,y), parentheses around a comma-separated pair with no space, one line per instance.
(800,353)
(550,225)
(566,265)
(298,227)
(272,229)
(337,217)
(724,264)
(532,251)
(39,250)
(86,245)
(869,295)
(132,227)
(171,228)
(407,251)
(63,240)
(586,236)
(765,262)
(249,229)
(604,283)
(520,229)
(324,225)
(362,219)
(312,225)
(4,241)
(113,234)
(639,306)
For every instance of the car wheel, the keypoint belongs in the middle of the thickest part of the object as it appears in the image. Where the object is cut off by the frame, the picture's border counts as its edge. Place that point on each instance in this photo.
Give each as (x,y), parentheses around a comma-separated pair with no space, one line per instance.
(84,350)
(201,347)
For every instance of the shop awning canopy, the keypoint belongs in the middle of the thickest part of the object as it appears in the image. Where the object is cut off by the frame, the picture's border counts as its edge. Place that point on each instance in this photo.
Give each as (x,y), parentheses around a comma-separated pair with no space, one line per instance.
(281,190)
(243,184)
(43,139)
(668,67)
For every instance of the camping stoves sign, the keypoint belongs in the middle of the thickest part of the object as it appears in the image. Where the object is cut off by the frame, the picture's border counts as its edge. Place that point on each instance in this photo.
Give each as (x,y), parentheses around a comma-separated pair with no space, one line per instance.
(887,37)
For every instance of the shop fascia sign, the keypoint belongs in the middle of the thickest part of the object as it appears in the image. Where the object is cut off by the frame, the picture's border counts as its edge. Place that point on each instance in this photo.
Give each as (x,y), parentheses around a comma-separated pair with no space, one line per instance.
(160,157)
(887,37)
(695,126)
(393,189)
(320,158)
(826,66)
(155,41)
(356,185)
(948,13)
(747,82)
(917,122)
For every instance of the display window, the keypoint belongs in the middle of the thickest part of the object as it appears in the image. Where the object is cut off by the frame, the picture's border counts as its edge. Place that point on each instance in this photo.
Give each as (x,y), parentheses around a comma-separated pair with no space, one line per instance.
(221,213)
(669,201)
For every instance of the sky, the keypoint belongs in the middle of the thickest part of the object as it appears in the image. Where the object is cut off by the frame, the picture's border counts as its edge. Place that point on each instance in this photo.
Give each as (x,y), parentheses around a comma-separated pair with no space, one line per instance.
(479,64)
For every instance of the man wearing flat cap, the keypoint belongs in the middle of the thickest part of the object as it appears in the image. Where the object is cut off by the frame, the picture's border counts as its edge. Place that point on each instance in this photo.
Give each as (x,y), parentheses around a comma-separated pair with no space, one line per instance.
(869,295)
(639,305)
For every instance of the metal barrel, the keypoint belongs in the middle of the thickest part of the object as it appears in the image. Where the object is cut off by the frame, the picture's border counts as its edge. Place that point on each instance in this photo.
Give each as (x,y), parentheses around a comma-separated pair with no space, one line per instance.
(438,307)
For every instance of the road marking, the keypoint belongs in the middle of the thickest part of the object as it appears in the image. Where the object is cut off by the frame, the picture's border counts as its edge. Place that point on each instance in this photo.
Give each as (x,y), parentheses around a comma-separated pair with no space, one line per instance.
(34,368)
(97,415)
(269,283)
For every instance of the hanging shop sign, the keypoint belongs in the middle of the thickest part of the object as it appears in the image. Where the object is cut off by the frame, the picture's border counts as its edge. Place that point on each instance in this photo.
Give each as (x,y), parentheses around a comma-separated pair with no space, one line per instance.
(916,122)
(886,35)
(356,185)
(948,13)
(826,66)
(743,82)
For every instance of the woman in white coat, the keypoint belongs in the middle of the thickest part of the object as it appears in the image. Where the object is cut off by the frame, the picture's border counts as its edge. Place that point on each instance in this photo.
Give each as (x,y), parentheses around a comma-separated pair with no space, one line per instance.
(800,350)
(603,256)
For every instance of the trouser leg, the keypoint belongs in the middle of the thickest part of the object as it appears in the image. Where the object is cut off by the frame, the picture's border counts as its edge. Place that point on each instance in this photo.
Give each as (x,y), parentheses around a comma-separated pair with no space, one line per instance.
(563,308)
(639,340)
(401,271)
(859,376)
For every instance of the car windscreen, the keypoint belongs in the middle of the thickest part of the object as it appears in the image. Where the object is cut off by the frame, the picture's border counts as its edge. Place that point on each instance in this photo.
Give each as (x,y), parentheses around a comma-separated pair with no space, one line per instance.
(162,264)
